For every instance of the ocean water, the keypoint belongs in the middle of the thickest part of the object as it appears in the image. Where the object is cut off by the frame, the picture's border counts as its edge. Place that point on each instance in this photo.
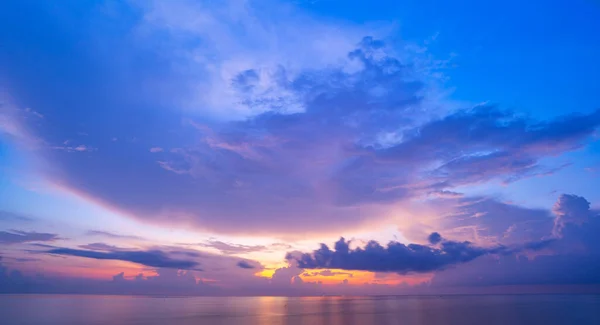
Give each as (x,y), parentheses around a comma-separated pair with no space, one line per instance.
(462,310)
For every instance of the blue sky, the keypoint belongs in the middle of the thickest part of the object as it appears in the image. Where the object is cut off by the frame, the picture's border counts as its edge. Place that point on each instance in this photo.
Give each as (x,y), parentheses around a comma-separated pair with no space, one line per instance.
(537,57)
(152,137)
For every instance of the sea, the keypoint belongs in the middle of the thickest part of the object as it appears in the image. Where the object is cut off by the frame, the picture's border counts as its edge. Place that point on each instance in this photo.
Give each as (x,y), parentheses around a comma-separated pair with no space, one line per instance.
(398,310)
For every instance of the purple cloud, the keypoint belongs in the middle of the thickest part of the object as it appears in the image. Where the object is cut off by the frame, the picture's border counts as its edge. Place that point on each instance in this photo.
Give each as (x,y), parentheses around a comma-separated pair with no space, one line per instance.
(568,259)
(290,171)
(571,258)
(490,220)
(398,257)
(434,238)
(570,209)
(327,273)
(324,143)
(19,237)
(101,247)
(232,249)
(153,258)
(111,235)
(11,216)
(227,248)
(245,265)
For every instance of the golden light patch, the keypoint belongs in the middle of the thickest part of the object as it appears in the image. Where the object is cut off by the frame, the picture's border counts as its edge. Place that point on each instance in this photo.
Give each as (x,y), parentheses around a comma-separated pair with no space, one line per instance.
(336,276)
(269,270)
(266,273)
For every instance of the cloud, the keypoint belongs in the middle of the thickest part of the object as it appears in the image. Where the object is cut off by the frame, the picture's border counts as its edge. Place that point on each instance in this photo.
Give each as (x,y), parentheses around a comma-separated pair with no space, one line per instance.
(26,259)
(488,220)
(570,209)
(156,149)
(165,282)
(327,273)
(553,263)
(78,148)
(227,248)
(220,270)
(12,216)
(19,237)
(570,255)
(101,247)
(232,249)
(434,238)
(483,143)
(285,275)
(297,121)
(112,235)
(237,69)
(245,265)
(397,257)
(152,258)
(446,194)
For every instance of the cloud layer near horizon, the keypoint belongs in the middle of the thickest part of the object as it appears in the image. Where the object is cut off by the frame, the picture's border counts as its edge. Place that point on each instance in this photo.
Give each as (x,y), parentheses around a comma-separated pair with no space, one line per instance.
(200,139)
(566,254)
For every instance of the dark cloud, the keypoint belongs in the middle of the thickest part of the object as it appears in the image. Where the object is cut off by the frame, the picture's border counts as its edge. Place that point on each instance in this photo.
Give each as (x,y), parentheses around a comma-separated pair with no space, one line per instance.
(563,240)
(19,237)
(397,257)
(42,245)
(483,143)
(153,258)
(245,265)
(434,238)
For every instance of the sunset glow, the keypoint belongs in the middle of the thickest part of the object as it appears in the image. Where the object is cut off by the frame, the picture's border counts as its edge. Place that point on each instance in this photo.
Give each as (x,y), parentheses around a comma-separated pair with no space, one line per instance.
(298,148)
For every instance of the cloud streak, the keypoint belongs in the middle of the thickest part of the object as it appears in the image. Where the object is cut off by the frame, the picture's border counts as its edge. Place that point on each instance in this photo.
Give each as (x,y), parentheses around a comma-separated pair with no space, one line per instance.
(112,235)
(11,216)
(20,237)
(152,258)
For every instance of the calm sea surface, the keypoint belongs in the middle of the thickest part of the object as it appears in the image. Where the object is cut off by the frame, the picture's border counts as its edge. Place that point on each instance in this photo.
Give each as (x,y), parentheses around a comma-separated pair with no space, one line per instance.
(463,310)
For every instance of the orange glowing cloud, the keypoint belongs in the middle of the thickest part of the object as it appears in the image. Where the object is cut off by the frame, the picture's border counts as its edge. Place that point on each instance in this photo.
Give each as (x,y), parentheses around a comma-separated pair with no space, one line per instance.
(335,276)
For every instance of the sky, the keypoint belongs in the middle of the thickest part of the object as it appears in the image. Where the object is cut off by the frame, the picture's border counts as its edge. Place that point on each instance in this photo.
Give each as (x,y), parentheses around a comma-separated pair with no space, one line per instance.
(265,147)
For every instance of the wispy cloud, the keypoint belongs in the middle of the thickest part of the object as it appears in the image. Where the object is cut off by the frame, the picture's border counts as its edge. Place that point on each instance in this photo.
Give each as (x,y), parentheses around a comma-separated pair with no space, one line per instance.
(12,216)
(152,258)
(78,148)
(19,237)
(112,235)
(156,149)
